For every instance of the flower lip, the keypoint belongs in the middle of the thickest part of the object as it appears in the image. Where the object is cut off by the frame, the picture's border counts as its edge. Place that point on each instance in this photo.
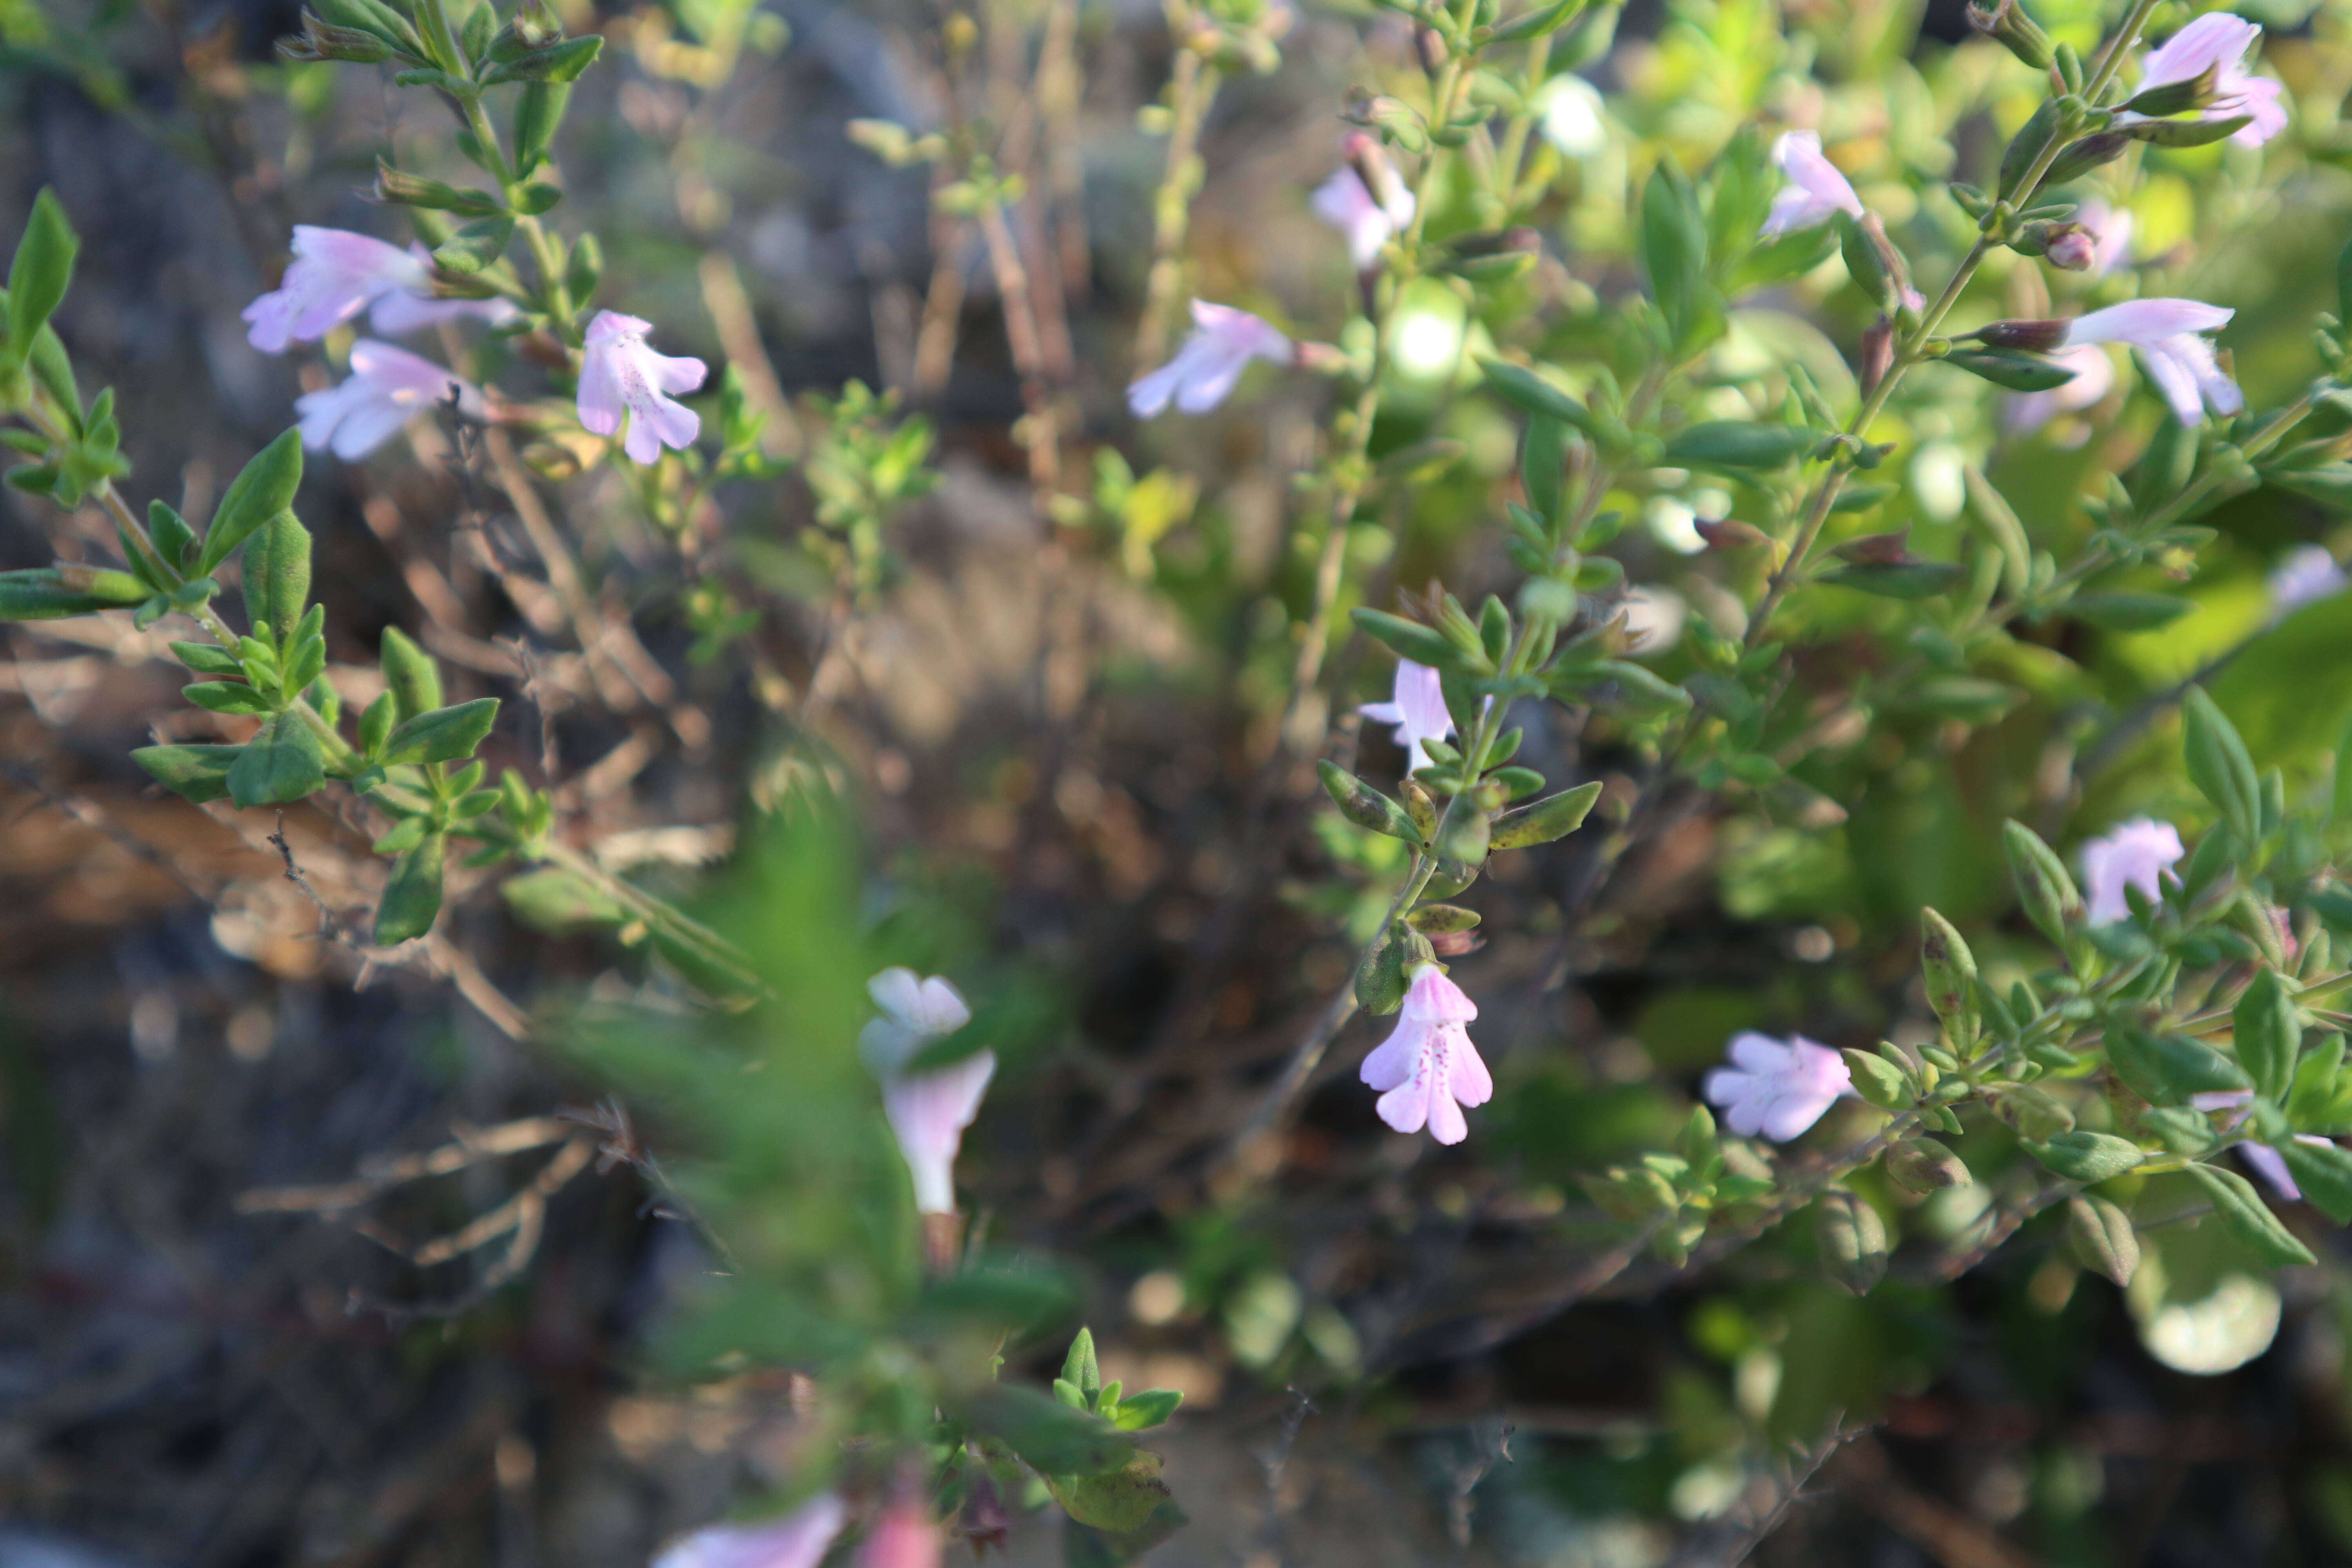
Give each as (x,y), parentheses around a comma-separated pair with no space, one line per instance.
(1777,1088)
(1206,367)
(1816,189)
(2137,854)
(623,378)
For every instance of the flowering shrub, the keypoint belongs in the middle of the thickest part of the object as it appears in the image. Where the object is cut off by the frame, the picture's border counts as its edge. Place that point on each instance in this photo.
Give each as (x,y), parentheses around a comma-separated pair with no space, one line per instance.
(1875,508)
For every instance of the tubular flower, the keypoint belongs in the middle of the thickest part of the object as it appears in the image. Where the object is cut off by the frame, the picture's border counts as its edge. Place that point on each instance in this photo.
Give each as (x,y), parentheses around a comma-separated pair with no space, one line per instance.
(1223,340)
(798,1539)
(402,311)
(2304,575)
(1417,709)
(387,388)
(1777,1088)
(928,1110)
(2095,374)
(1346,204)
(2180,361)
(1815,190)
(2137,854)
(334,276)
(1427,1069)
(2218,42)
(622,377)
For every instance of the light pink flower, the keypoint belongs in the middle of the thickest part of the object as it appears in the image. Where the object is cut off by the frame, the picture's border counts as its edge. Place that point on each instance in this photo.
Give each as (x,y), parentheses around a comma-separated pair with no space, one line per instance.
(2220,43)
(2095,374)
(1343,202)
(2304,575)
(2180,363)
(2111,231)
(387,388)
(621,375)
(1777,1088)
(928,1110)
(906,1536)
(1816,189)
(401,312)
(1223,342)
(2137,854)
(1427,1068)
(334,276)
(798,1539)
(1417,709)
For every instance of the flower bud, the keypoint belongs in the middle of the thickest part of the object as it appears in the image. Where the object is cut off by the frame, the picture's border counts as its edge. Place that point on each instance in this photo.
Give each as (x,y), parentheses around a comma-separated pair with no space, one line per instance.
(2007,23)
(1923,1165)
(2036,337)
(2068,247)
(1729,533)
(1851,1240)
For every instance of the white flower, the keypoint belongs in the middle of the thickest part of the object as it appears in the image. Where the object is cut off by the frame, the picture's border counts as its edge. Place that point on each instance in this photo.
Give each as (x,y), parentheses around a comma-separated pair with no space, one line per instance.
(1427,1068)
(2166,332)
(928,1110)
(387,388)
(2304,575)
(2137,854)
(1223,340)
(798,1539)
(1417,709)
(1343,202)
(1569,111)
(620,376)
(2095,374)
(1777,1088)
(1816,189)
(2218,42)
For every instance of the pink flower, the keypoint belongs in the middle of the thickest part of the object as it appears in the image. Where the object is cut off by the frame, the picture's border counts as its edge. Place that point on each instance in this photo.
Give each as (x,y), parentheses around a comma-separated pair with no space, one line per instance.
(2137,854)
(798,1539)
(1816,189)
(1343,202)
(1223,340)
(2110,229)
(335,275)
(1427,1068)
(1418,711)
(2218,42)
(387,388)
(2095,374)
(621,375)
(2304,575)
(928,1110)
(906,1536)
(1777,1088)
(2179,361)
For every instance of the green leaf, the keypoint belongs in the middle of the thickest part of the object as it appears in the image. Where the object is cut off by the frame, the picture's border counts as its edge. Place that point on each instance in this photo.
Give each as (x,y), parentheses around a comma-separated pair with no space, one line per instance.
(2043,887)
(1951,973)
(1851,1240)
(1119,1502)
(1055,1439)
(205,659)
(1365,806)
(1380,978)
(1738,444)
(1410,640)
(262,490)
(2166,1069)
(2089,1158)
(411,675)
(1673,247)
(50,593)
(1898,579)
(412,897)
(538,113)
(278,577)
(999,1300)
(227,697)
(280,764)
(444,735)
(1542,821)
(194,773)
(40,274)
(561,62)
(2127,612)
(1442,919)
(2322,1172)
(1079,1365)
(2101,1236)
(2009,368)
(1520,385)
(1878,1080)
(2248,1219)
(476,244)
(2267,1034)
(175,539)
(1149,1409)
(2221,768)
(1534,24)
(555,900)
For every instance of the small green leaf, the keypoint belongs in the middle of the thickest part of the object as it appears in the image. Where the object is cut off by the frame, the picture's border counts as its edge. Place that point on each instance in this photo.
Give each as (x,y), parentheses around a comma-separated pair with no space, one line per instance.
(2166,1069)
(2322,1172)
(1441,920)
(2220,767)
(1878,1080)
(1738,444)
(2248,1219)
(1851,1240)
(262,489)
(1119,1502)
(1079,1365)
(411,675)
(476,244)
(1151,1407)
(2101,1235)
(412,897)
(227,697)
(1055,1439)
(1365,806)
(1542,821)
(2127,612)
(195,772)
(444,735)
(50,593)
(280,764)
(1899,579)
(1410,640)
(206,659)
(1520,385)
(278,577)
(2089,1158)
(39,275)
(555,900)
(2009,368)
(2267,1034)
(2044,886)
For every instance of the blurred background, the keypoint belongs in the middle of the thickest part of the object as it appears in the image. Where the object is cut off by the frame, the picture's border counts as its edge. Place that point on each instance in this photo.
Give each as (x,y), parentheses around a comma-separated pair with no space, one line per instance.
(235,1331)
